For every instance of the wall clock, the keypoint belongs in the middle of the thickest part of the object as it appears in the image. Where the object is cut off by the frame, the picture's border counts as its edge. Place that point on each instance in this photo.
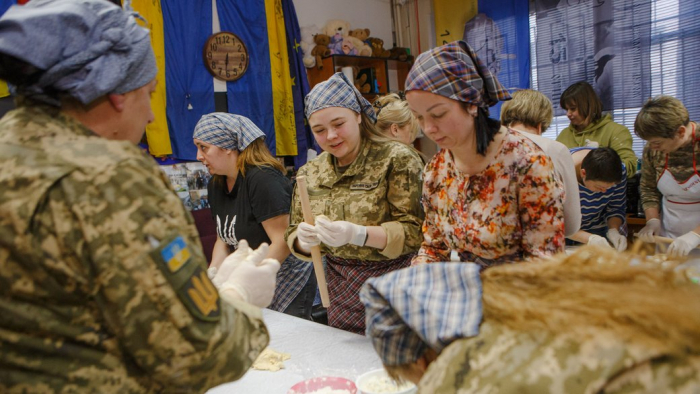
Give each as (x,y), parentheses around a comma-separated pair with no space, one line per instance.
(225,56)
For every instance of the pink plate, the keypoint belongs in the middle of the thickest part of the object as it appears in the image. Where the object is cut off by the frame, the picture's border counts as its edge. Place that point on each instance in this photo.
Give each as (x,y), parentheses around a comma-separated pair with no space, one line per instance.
(313,384)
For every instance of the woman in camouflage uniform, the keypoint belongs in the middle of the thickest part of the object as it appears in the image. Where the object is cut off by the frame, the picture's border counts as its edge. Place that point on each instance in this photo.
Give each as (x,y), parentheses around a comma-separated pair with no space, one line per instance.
(103,283)
(366,187)
(594,322)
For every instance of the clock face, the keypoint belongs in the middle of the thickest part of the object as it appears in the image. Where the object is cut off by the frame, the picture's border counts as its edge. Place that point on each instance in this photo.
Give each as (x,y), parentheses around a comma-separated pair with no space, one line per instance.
(225,56)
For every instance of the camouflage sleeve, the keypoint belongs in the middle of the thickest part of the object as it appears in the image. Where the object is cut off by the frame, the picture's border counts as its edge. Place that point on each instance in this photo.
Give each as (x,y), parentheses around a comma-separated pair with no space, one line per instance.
(650,195)
(404,190)
(666,375)
(139,244)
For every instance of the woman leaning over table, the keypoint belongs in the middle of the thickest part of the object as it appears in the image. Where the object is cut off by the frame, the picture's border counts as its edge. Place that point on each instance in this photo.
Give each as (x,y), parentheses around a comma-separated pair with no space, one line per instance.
(490,194)
(367,187)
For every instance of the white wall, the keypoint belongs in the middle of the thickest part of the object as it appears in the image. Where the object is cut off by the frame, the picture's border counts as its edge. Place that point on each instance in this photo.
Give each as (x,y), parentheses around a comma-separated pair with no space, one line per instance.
(374,15)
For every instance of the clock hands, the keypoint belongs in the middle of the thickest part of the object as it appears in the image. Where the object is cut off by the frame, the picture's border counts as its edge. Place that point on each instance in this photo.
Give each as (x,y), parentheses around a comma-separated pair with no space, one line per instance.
(226,63)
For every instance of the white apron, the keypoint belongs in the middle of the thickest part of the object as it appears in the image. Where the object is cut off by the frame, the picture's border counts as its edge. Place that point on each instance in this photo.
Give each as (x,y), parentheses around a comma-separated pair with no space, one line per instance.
(680,207)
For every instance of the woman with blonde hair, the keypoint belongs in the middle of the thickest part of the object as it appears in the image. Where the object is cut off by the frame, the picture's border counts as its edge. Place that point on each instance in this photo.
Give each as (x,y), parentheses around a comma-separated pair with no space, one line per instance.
(364,191)
(250,197)
(395,119)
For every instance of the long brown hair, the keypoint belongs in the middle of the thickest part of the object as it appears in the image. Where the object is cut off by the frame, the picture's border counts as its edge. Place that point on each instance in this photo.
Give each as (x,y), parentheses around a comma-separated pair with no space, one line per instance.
(257,155)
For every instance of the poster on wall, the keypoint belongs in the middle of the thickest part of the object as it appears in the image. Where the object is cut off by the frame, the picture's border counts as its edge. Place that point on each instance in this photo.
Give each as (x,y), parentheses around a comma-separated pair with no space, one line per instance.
(499,34)
(189,181)
(597,41)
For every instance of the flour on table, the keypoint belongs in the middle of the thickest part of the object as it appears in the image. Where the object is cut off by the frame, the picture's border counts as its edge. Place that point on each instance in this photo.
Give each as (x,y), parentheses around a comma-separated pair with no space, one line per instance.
(271,360)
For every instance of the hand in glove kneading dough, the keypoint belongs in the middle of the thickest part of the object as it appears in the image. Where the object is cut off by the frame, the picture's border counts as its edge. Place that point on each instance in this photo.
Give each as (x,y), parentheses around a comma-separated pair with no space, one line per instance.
(618,240)
(653,227)
(598,241)
(340,232)
(682,245)
(253,279)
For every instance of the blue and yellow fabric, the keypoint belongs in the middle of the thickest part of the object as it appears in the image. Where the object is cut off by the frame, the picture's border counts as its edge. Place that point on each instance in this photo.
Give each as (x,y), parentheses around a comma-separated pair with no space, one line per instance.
(157,131)
(190,88)
(4,5)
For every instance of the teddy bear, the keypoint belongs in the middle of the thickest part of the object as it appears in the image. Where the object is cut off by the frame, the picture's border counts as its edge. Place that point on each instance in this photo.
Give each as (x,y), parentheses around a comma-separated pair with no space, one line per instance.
(361,83)
(360,34)
(307,44)
(400,54)
(339,31)
(321,49)
(377,45)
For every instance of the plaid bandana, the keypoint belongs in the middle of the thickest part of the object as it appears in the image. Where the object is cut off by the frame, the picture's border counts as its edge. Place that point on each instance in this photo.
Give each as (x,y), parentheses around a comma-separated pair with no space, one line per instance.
(429,305)
(227,131)
(337,91)
(454,71)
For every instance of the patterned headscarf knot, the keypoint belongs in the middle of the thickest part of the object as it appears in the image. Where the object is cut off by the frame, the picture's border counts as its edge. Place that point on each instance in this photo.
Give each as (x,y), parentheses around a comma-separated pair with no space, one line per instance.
(227,131)
(430,305)
(456,72)
(337,91)
(85,48)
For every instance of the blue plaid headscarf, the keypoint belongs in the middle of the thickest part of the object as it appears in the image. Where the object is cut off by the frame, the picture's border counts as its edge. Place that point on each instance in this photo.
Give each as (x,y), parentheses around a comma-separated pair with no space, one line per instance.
(337,91)
(429,305)
(86,48)
(227,131)
(456,72)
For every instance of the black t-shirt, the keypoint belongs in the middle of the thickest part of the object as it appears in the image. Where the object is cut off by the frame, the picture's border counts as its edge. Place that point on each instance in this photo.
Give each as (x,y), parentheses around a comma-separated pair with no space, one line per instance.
(262,194)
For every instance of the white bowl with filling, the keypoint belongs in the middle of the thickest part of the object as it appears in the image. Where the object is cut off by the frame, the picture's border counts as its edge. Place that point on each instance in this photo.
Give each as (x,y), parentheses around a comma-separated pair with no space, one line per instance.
(379,382)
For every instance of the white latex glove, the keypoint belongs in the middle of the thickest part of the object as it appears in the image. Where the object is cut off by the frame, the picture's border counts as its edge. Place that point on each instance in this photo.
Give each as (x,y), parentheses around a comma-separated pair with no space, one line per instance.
(682,245)
(598,241)
(340,232)
(211,272)
(254,279)
(306,235)
(617,240)
(231,262)
(653,227)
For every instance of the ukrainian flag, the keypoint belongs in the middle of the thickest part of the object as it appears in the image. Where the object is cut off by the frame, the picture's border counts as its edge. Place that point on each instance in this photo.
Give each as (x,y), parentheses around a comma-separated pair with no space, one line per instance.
(156,132)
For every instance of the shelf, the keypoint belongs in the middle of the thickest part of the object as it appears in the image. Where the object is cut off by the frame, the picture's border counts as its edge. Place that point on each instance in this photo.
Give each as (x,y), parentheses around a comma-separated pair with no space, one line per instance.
(390,74)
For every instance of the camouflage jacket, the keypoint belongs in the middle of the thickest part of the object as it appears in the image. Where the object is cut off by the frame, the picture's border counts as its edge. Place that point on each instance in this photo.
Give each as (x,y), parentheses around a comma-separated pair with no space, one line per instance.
(382,187)
(103,284)
(680,165)
(501,361)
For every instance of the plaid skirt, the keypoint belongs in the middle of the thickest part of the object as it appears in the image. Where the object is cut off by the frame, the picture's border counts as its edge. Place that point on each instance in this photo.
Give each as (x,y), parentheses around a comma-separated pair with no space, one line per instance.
(345,277)
(291,278)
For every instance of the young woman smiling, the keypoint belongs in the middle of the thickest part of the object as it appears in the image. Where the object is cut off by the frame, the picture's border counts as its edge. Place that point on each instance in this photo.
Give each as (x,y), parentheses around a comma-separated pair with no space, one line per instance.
(367,187)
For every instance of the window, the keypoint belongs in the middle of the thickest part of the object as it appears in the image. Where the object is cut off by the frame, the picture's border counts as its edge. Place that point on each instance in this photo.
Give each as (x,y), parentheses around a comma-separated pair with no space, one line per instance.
(675,46)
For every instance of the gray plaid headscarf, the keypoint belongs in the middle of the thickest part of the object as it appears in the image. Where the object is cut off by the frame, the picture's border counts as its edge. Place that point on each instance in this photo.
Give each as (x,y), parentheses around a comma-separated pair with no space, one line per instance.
(337,91)
(430,305)
(227,131)
(86,48)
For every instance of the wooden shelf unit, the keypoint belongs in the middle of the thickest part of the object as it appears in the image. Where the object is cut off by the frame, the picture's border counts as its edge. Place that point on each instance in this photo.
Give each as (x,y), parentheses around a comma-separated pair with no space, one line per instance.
(383,68)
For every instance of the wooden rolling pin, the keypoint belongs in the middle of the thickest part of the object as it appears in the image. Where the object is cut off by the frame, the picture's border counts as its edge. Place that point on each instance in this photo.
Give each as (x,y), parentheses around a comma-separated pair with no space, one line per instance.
(315,250)
(663,240)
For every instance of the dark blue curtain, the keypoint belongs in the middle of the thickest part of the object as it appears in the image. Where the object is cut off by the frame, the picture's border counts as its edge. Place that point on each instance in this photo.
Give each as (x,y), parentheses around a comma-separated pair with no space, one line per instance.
(688,76)
(251,95)
(190,87)
(300,83)
(500,36)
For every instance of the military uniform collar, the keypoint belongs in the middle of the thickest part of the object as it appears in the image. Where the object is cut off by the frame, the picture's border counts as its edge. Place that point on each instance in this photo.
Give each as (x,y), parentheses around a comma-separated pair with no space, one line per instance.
(355,168)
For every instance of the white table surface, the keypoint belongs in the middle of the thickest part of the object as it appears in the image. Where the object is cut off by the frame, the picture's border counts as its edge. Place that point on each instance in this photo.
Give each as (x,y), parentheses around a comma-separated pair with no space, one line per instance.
(316,350)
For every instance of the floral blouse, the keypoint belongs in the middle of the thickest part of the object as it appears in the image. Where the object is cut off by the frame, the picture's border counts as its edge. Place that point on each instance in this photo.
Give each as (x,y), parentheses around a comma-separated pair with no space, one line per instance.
(510,211)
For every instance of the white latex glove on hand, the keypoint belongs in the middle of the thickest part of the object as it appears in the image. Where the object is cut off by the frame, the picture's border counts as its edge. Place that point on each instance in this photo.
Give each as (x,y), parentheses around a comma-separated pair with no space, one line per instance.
(653,227)
(254,279)
(211,272)
(682,245)
(340,232)
(618,240)
(230,263)
(598,241)
(307,235)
